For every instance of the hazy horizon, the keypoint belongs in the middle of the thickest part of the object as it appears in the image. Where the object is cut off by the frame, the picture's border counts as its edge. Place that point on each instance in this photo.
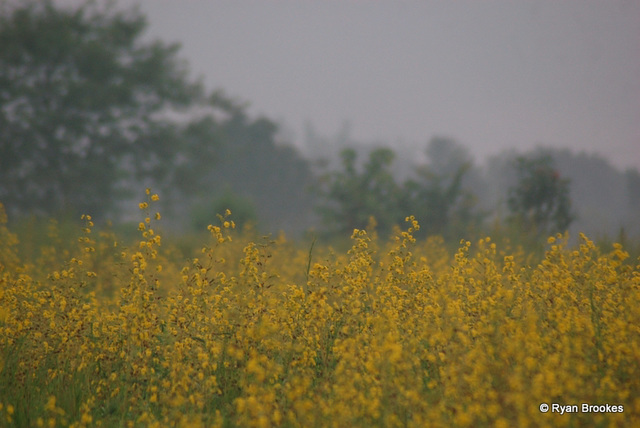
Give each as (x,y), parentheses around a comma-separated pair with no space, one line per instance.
(492,75)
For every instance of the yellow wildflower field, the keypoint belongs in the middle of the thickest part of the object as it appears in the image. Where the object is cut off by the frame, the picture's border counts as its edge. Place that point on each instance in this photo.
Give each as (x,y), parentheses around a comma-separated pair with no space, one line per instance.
(259,333)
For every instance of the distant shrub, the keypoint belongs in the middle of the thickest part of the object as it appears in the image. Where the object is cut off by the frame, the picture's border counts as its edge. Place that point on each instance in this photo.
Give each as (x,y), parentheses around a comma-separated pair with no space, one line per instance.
(243,209)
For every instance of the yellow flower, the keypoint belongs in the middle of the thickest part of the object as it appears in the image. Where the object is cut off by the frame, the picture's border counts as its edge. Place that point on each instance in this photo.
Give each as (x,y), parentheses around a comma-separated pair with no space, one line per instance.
(51,403)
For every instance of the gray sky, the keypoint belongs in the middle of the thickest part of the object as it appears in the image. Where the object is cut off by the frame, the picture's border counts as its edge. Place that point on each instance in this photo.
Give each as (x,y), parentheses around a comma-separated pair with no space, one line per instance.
(491,74)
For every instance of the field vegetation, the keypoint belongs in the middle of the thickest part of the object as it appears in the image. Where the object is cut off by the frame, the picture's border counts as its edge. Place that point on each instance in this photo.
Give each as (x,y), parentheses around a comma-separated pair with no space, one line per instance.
(98,330)
(360,315)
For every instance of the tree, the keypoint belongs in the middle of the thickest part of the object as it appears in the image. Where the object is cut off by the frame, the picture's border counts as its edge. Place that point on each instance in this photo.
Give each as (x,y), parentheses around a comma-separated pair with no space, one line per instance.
(438,196)
(205,212)
(83,106)
(351,196)
(539,202)
(258,166)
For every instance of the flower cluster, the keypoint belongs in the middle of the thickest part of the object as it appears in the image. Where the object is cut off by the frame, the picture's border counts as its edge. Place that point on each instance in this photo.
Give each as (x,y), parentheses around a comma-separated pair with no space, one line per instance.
(264,333)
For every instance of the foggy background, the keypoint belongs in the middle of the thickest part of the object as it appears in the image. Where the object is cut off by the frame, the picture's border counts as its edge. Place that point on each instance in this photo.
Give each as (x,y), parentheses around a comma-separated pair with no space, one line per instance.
(486,81)
(491,74)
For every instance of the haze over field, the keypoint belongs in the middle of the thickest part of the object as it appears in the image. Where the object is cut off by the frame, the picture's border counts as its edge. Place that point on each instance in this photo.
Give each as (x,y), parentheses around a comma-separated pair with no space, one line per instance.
(492,75)
(249,105)
(359,216)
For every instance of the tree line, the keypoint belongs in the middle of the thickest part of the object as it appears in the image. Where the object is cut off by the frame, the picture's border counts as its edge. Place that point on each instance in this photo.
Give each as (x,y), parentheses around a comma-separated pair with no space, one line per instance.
(90,113)
(538,201)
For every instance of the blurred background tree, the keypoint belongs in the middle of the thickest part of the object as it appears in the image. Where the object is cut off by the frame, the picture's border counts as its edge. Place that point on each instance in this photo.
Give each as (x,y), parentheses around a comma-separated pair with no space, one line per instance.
(539,202)
(439,196)
(351,196)
(243,211)
(261,167)
(90,113)
(84,106)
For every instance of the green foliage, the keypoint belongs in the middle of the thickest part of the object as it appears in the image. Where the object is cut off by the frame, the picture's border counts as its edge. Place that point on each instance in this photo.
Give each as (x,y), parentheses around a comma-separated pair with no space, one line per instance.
(352,197)
(242,208)
(257,164)
(539,202)
(437,197)
(82,106)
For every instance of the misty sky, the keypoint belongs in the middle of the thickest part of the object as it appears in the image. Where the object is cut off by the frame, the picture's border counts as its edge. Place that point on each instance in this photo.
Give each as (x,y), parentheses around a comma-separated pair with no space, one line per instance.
(491,74)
